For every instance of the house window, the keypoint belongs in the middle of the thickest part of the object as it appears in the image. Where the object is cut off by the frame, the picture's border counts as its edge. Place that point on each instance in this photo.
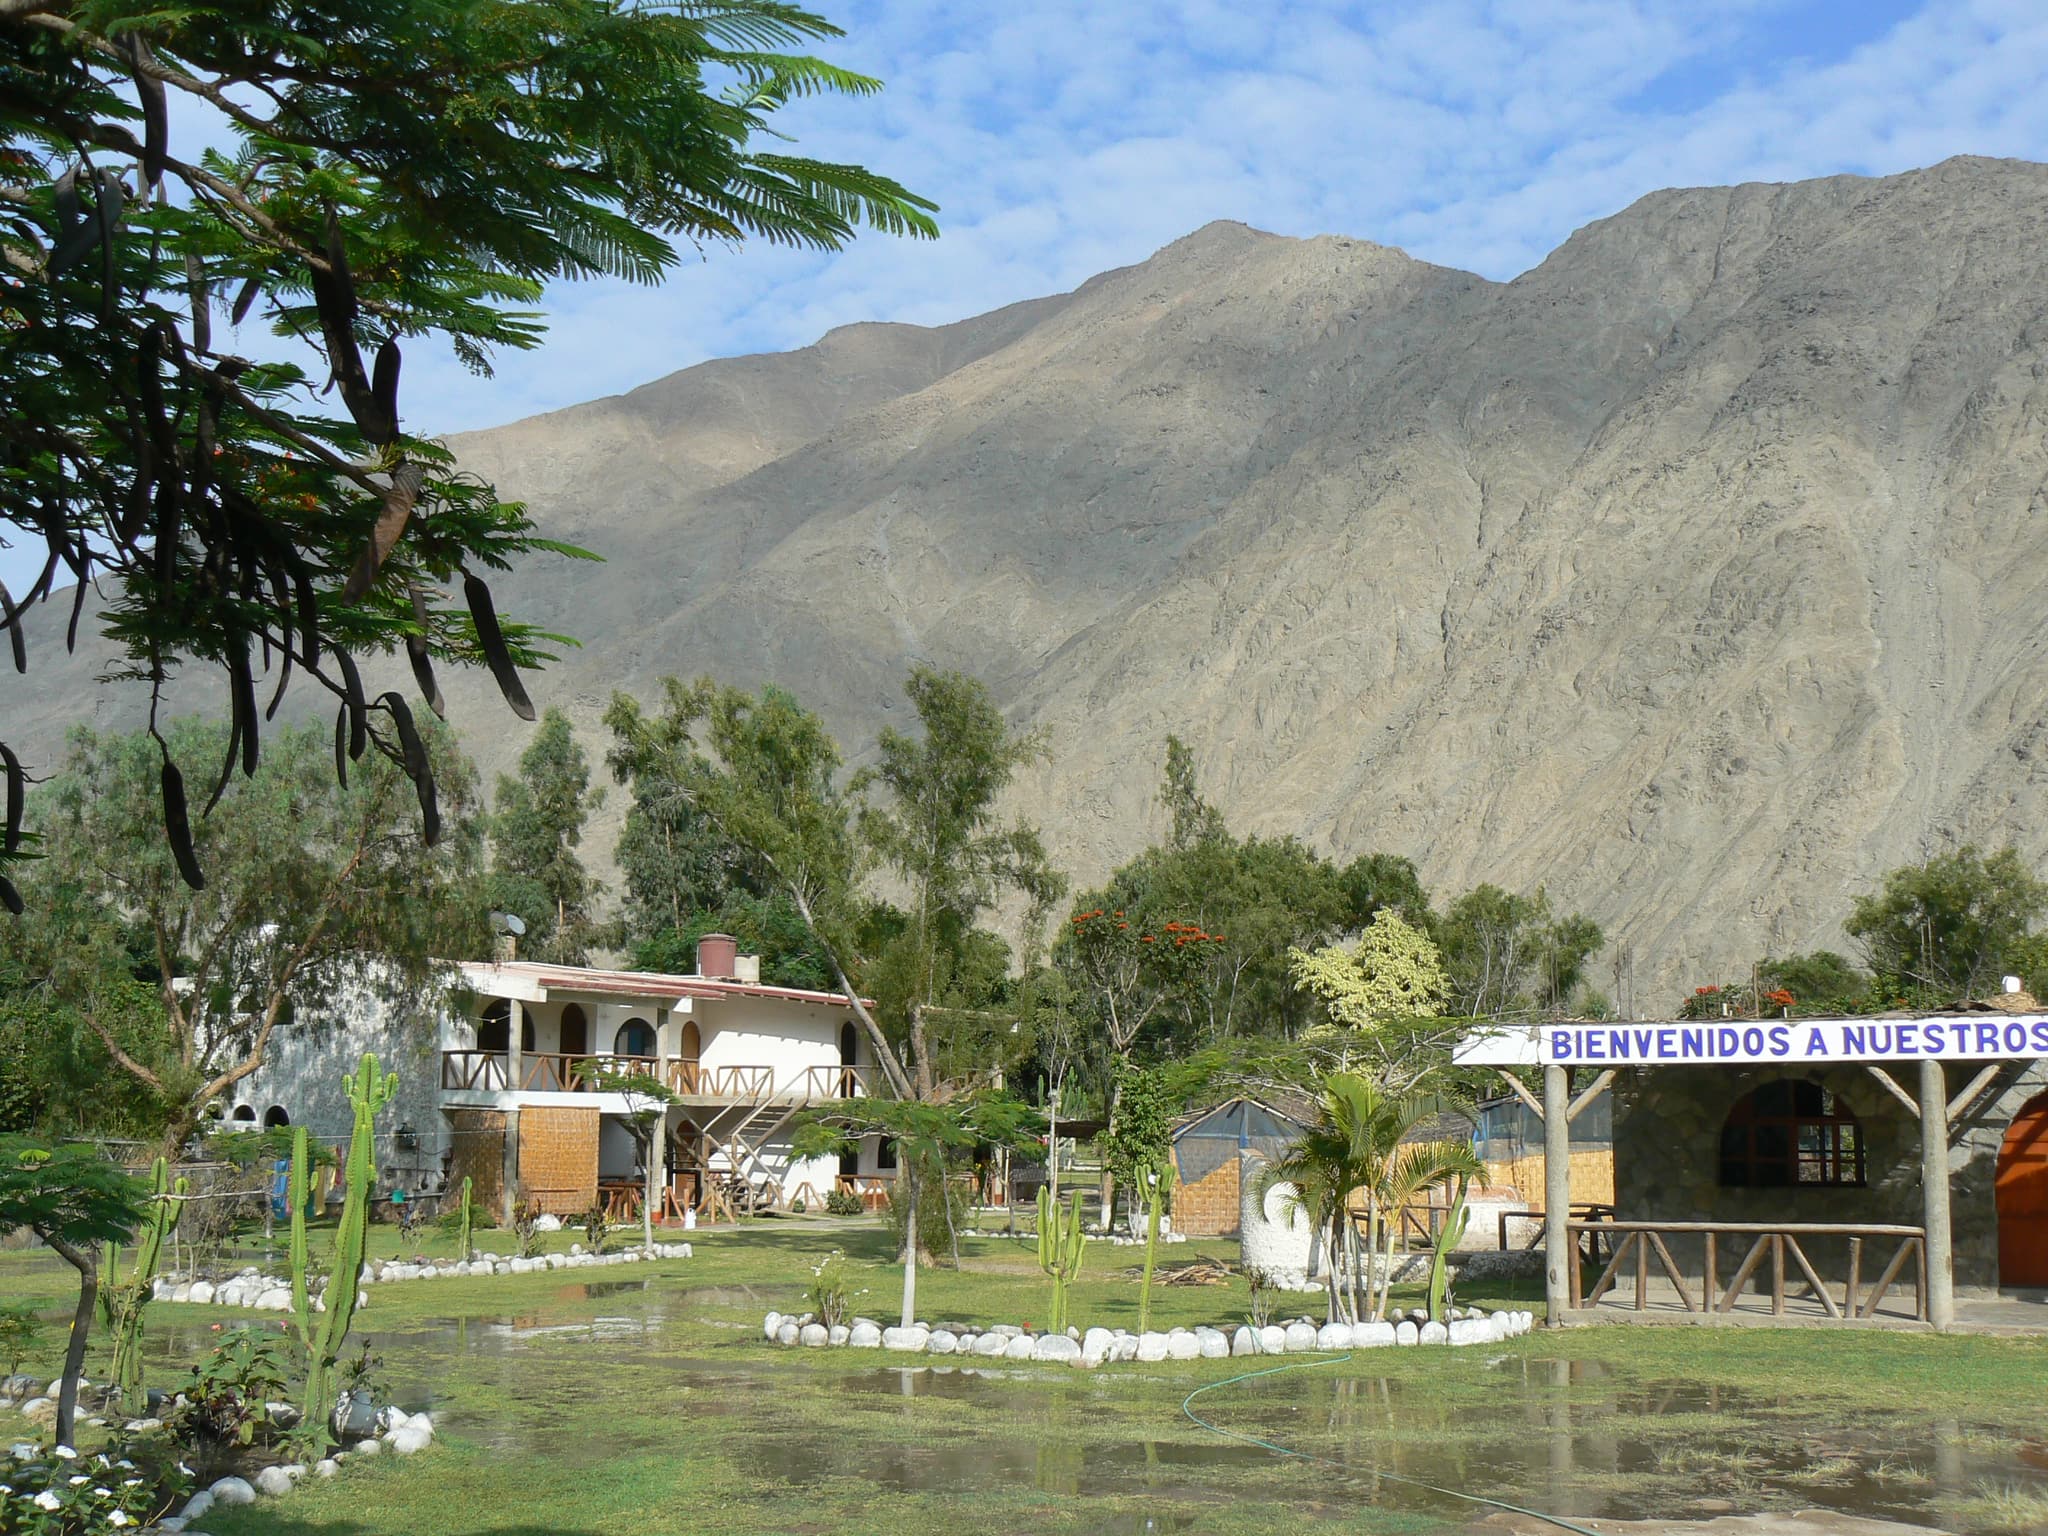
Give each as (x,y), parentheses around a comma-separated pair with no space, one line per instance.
(885,1154)
(494,1029)
(1791,1133)
(275,1116)
(635,1038)
(575,1032)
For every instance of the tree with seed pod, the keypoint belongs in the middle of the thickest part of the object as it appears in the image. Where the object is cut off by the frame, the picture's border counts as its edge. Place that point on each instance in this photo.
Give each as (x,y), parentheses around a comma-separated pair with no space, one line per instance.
(317,891)
(398,172)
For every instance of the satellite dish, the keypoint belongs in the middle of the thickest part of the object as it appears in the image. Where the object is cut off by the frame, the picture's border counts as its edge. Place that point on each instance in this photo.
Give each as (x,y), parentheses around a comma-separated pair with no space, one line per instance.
(506,922)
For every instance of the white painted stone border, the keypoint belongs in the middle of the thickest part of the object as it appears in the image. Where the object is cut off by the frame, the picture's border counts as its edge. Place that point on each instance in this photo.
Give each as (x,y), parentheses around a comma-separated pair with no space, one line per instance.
(253,1289)
(1099,1346)
(404,1433)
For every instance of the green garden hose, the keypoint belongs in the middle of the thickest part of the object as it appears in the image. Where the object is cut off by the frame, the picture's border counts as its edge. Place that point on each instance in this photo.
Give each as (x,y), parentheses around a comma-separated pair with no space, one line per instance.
(1392,1477)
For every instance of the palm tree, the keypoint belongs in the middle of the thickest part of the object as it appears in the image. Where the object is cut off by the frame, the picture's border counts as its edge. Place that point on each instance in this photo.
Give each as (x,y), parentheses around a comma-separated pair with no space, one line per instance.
(1356,1145)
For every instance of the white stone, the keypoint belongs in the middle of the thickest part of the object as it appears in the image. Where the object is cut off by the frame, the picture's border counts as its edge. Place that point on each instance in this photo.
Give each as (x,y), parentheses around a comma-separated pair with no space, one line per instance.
(232,1490)
(1333,1336)
(814,1335)
(202,1291)
(991,1344)
(197,1505)
(1152,1346)
(1371,1335)
(557,1261)
(1210,1344)
(787,1333)
(273,1481)
(406,1441)
(1463,1332)
(1183,1345)
(1405,1332)
(911,1340)
(369,1447)
(1056,1348)
(1097,1344)
(1126,1347)
(1244,1342)
(326,1466)
(1018,1348)
(1272,1339)
(944,1341)
(548,1223)
(1301,1338)
(1433,1333)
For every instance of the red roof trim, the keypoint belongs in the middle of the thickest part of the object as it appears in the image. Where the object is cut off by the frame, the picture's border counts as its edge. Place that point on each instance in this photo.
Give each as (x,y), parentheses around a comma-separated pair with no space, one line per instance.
(573,978)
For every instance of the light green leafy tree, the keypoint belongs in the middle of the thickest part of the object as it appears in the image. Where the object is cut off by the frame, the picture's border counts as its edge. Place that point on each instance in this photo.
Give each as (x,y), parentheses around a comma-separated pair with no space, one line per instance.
(76,1201)
(397,174)
(1949,927)
(314,885)
(1392,972)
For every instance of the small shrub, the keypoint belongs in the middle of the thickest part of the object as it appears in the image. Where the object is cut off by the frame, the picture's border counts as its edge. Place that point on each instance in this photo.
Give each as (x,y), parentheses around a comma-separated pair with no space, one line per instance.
(526,1228)
(21,1334)
(934,1200)
(597,1227)
(449,1222)
(1265,1294)
(796,1207)
(827,1290)
(63,1493)
(843,1202)
(225,1398)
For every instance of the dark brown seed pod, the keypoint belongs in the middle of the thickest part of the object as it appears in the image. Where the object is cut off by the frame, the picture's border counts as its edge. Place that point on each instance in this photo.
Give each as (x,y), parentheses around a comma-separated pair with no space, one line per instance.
(422,662)
(245,299)
(341,745)
(202,304)
(10,898)
(156,118)
(358,707)
(496,654)
(17,790)
(227,764)
(308,605)
(384,381)
(178,827)
(77,608)
(243,687)
(170,520)
(418,767)
(10,619)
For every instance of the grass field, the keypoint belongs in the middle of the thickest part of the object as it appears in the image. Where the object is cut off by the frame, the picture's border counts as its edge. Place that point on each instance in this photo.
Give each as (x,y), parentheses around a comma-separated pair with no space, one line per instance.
(642,1399)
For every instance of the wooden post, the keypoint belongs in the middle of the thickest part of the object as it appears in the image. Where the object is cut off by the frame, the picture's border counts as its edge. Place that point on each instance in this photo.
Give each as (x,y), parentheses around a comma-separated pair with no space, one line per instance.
(1941,1274)
(508,1174)
(1559,1248)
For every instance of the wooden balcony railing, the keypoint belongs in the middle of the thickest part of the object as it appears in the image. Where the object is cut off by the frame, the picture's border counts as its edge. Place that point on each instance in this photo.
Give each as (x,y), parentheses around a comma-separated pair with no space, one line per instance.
(1767,1242)
(555,1072)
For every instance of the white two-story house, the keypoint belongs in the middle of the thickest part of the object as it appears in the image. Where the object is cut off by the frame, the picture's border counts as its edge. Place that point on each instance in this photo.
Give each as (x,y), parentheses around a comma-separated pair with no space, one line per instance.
(737,1059)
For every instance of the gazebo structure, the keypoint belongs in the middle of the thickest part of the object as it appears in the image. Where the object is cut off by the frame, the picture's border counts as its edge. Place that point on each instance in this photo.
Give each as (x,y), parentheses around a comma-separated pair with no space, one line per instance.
(1827,1166)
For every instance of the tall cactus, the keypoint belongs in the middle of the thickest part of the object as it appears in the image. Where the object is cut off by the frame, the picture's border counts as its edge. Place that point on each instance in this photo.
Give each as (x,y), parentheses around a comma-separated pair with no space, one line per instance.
(463,1238)
(122,1302)
(1059,1251)
(368,1092)
(1155,1181)
(1448,1236)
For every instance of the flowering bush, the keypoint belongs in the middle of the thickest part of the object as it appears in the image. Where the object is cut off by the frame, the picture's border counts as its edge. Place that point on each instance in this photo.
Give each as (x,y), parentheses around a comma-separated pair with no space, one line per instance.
(827,1290)
(63,1493)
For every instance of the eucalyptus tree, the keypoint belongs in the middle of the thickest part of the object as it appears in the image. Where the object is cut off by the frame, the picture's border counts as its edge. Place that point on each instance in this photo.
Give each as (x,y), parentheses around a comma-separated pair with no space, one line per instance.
(383,174)
(536,825)
(318,888)
(938,832)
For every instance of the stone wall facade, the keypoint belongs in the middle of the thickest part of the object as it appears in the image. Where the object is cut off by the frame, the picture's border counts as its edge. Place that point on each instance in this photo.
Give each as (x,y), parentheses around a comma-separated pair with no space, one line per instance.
(1667,1146)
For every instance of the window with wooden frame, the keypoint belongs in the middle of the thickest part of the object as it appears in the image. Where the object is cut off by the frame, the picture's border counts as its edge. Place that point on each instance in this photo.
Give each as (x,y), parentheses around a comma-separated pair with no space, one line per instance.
(1791,1134)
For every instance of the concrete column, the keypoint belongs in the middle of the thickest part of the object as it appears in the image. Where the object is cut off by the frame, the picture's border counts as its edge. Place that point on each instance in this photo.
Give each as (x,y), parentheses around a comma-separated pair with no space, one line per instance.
(1558,1256)
(515,1043)
(1941,1270)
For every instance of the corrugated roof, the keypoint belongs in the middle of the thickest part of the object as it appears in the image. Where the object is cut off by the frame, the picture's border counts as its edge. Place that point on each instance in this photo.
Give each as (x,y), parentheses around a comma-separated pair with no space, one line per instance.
(636,984)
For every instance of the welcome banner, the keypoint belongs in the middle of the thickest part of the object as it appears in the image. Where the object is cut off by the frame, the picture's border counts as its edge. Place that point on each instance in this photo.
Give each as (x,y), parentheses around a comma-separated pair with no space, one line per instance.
(1740,1042)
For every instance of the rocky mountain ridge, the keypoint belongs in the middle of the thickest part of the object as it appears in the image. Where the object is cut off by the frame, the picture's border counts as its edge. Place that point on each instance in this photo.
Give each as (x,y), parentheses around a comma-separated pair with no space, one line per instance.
(1694,574)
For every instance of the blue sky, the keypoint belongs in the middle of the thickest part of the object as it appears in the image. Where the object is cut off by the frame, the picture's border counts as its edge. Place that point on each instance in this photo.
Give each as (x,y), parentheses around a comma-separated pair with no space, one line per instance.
(1069,136)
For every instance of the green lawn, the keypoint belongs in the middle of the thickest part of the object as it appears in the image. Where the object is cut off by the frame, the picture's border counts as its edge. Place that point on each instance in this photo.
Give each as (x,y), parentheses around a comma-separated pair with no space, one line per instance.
(642,1399)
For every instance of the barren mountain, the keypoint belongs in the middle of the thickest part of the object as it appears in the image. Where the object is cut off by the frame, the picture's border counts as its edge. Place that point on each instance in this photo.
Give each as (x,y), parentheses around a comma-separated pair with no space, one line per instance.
(1695,573)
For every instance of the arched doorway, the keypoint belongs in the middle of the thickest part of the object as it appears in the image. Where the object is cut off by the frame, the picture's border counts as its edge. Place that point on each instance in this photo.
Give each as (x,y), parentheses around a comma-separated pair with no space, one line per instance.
(275,1116)
(575,1031)
(2023,1197)
(690,1050)
(635,1038)
(849,1057)
(494,1029)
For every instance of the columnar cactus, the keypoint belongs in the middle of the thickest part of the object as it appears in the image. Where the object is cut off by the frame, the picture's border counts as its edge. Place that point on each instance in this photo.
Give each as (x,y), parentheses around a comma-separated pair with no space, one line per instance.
(368,1092)
(1059,1251)
(1155,1183)
(1448,1236)
(123,1301)
(462,1238)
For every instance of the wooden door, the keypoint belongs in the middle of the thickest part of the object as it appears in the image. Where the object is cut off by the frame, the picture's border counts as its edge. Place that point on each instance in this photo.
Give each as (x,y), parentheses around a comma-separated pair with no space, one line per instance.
(2023,1198)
